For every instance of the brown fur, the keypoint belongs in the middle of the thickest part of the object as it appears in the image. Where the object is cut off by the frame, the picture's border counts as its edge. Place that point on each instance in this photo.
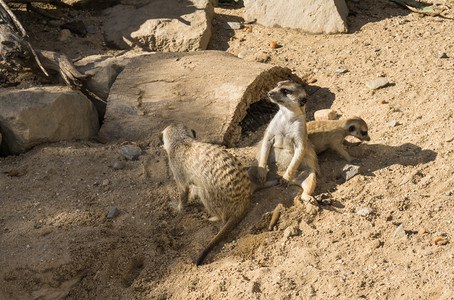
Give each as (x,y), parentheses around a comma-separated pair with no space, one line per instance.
(330,134)
(285,142)
(222,184)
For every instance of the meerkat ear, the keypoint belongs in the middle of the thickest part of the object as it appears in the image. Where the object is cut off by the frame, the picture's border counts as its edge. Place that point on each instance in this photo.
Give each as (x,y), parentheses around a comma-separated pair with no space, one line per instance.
(302,101)
(193,133)
(351,128)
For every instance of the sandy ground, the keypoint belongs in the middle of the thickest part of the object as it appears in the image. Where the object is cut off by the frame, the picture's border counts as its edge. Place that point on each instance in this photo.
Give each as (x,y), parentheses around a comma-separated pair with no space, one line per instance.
(56,242)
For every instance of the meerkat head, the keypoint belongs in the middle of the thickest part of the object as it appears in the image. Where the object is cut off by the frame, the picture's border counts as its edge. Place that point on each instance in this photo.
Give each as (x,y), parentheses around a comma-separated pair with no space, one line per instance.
(357,127)
(289,94)
(175,133)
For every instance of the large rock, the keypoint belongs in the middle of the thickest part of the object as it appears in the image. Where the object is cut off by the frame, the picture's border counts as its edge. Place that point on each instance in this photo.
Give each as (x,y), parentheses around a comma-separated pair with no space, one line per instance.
(314,16)
(104,69)
(209,91)
(160,25)
(47,114)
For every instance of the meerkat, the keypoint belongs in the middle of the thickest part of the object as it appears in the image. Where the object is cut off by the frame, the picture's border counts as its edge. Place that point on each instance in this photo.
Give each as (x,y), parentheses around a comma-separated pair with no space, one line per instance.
(220,181)
(330,134)
(285,142)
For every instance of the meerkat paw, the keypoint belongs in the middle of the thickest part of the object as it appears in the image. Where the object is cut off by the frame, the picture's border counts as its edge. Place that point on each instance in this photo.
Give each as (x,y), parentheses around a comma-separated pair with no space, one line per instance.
(284,182)
(261,174)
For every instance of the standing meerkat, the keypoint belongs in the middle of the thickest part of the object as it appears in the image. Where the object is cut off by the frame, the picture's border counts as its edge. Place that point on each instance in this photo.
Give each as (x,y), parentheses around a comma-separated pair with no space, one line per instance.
(330,134)
(285,142)
(221,182)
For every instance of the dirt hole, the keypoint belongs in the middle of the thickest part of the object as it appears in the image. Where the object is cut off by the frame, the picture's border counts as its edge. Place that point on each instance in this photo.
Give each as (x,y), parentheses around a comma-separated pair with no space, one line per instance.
(258,115)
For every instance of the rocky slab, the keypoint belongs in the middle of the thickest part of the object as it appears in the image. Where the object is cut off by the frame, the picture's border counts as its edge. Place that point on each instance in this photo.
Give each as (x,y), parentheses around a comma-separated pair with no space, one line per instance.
(46,114)
(313,16)
(210,91)
(159,25)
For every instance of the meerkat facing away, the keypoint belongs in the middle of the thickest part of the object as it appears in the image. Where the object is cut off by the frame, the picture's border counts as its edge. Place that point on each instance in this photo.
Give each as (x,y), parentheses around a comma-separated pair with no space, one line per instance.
(221,182)
(330,134)
(285,142)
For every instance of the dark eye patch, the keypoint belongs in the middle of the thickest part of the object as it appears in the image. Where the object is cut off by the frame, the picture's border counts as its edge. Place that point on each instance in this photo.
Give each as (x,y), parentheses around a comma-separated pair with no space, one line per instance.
(351,128)
(285,92)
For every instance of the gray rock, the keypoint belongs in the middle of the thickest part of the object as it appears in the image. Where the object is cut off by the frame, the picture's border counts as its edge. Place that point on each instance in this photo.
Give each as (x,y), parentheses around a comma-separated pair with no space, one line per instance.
(104,69)
(118,165)
(341,70)
(232,25)
(33,116)
(113,212)
(349,171)
(314,16)
(363,212)
(400,232)
(392,123)
(156,90)
(244,53)
(130,152)
(377,83)
(160,25)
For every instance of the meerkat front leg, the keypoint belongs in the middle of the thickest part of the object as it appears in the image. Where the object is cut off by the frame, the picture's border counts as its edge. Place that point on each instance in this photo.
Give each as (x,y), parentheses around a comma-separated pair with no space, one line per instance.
(294,164)
(183,196)
(339,148)
(264,154)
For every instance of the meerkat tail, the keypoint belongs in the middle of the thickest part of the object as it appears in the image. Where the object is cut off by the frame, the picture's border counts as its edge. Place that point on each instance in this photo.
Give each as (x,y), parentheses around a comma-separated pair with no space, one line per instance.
(229,225)
(275,217)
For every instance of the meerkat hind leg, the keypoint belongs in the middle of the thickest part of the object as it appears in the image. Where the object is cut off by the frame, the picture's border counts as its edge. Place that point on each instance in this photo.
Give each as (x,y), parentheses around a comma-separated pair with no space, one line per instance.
(342,152)
(307,181)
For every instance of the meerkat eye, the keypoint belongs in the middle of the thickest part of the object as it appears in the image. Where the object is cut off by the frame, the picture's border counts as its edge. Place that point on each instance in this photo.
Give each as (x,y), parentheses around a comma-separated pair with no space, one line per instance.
(351,128)
(285,92)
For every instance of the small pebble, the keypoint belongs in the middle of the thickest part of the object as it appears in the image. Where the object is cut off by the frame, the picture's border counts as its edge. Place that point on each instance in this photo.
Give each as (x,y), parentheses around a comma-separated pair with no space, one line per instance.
(113,212)
(106,182)
(340,70)
(349,171)
(440,241)
(90,29)
(118,165)
(273,45)
(382,102)
(442,55)
(65,35)
(244,53)
(377,83)
(130,152)
(363,212)
(392,123)
(232,25)
(400,232)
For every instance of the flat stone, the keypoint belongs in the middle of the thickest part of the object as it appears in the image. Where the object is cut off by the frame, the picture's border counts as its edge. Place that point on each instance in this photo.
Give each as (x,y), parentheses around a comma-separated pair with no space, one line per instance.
(130,152)
(392,123)
(160,25)
(113,212)
(400,232)
(314,16)
(349,171)
(156,90)
(377,83)
(118,165)
(232,25)
(29,117)
(363,212)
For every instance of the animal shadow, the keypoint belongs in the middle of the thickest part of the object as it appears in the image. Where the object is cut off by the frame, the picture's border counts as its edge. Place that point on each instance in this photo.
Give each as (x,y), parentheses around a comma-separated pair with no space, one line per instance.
(370,158)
